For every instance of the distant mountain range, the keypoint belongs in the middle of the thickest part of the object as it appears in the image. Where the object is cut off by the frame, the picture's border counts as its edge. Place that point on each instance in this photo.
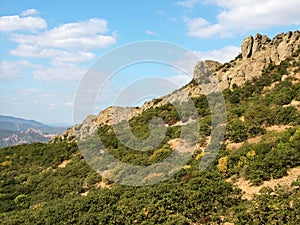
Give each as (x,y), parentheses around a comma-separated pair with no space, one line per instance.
(15,131)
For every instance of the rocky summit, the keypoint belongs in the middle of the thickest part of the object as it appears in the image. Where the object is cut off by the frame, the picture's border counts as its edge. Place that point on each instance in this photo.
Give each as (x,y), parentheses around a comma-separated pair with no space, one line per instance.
(256,55)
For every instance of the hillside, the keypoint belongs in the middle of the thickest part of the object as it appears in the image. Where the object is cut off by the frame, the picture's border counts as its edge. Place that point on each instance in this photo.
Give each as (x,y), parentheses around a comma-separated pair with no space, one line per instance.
(258,53)
(15,131)
(253,179)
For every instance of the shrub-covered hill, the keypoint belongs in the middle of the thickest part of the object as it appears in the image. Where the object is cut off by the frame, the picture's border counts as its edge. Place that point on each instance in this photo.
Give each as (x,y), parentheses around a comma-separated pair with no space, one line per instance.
(53,184)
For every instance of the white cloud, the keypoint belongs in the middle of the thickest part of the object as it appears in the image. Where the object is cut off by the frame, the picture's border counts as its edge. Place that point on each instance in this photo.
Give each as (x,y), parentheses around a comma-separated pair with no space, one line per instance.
(10,70)
(29,12)
(82,35)
(245,15)
(34,51)
(67,43)
(14,23)
(151,33)
(199,27)
(187,3)
(59,72)
(222,55)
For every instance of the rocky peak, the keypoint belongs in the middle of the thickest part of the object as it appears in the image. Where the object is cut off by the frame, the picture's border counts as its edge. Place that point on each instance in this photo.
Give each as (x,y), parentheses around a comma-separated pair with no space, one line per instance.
(256,54)
(213,65)
(252,45)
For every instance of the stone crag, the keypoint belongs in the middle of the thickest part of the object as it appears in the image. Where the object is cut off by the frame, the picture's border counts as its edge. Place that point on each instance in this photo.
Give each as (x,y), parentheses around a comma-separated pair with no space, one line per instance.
(256,54)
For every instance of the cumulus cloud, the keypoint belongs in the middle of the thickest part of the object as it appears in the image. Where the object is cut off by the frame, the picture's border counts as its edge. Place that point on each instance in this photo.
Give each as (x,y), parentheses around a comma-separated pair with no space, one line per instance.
(66,43)
(16,23)
(81,35)
(241,16)
(34,51)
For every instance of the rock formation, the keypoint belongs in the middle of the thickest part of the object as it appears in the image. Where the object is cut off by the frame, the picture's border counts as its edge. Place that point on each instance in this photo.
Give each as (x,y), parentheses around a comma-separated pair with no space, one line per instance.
(256,54)
(247,47)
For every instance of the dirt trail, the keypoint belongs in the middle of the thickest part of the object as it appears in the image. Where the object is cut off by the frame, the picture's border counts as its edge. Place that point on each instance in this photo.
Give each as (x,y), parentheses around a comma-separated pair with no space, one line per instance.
(278,128)
(250,191)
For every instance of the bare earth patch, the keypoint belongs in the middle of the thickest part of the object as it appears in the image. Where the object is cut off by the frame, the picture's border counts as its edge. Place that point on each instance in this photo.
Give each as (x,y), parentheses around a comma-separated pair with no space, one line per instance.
(233,146)
(181,145)
(250,190)
(64,163)
(296,104)
(278,128)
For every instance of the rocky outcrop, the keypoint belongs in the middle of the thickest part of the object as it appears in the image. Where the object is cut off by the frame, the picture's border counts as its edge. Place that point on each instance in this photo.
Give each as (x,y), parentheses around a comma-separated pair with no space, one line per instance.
(90,125)
(213,65)
(114,115)
(247,47)
(256,54)
(259,43)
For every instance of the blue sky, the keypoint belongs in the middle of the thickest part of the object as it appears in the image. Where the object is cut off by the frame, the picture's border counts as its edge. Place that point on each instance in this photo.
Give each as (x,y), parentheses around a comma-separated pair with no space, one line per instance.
(47,46)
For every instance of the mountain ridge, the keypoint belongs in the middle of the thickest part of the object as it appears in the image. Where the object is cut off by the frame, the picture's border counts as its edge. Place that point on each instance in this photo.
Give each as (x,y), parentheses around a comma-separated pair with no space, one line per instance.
(257,53)
(15,130)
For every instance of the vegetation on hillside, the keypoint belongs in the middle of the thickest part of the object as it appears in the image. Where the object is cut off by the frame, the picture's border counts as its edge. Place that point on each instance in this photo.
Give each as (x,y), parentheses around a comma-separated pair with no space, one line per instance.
(36,189)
